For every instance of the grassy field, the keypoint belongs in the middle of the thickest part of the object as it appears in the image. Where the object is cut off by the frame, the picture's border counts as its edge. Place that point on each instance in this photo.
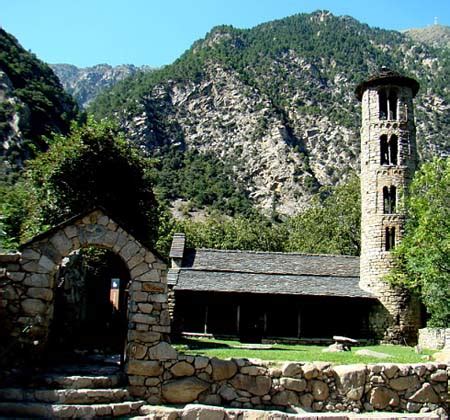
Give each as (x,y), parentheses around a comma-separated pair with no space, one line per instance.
(300,353)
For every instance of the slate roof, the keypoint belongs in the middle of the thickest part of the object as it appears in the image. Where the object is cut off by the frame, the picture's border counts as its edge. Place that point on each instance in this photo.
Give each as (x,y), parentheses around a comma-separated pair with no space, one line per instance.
(279,284)
(210,270)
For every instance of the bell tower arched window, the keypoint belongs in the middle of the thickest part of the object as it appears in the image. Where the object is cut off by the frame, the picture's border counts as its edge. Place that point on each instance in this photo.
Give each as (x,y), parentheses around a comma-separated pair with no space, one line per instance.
(387,104)
(389,199)
(388,150)
(389,238)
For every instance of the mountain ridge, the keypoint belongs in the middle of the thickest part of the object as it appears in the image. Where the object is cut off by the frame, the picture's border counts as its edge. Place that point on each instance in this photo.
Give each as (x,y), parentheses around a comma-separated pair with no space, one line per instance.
(277,102)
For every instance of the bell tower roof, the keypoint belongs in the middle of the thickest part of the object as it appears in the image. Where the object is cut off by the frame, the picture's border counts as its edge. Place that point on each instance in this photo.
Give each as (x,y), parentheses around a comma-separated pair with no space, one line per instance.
(387,77)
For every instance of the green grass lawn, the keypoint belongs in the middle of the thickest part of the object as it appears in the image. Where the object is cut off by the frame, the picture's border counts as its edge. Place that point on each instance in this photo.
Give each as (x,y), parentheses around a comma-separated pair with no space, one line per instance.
(223,349)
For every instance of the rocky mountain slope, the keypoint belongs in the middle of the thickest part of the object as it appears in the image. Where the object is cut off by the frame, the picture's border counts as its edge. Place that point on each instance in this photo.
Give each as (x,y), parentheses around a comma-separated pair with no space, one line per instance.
(84,84)
(33,103)
(276,103)
(437,36)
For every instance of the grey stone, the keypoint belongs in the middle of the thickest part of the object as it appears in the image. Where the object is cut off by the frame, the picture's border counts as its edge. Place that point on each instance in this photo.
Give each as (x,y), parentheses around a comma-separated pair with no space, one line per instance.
(37,280)
(162,351)
(227,393)
(34,306)
(145,308)
(404,382)
(256,385)
(199,412)
(292,369)
(425,394)
(350,380)
(285,398)
(201,362)
(292,384)
(40,293)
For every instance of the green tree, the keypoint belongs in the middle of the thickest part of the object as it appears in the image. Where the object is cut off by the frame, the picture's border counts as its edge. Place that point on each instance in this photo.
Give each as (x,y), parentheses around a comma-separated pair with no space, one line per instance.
(93,166)
(332,224)
(422,259)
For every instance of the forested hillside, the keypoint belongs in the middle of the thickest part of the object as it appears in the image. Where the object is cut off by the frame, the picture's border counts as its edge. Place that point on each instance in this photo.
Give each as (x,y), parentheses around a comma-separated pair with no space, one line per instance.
(276,103)
(33,103)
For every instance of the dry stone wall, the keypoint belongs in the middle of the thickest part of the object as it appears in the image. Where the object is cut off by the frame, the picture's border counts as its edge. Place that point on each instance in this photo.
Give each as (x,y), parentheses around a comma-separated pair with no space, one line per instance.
(317,387)
(28,283)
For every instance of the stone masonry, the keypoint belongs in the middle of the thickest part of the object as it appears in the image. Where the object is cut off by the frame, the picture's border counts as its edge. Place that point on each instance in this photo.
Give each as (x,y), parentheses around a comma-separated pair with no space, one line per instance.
(159,375)
(28,283)
(397,318)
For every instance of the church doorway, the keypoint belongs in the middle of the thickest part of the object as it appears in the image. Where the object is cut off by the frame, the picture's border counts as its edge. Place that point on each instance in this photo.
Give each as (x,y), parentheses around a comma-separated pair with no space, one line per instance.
(90,312)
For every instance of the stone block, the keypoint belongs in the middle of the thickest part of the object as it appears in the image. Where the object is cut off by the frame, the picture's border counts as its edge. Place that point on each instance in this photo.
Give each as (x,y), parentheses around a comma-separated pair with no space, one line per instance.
(145,308)
(61,243)
(40,293)
(200,362)
(292,369)
(404,382)
(162,351)
(319,390)
(137,351)
(292,384)
(285,398)
(46,263)
(182,369)
(129,250)
(153,287)
(140,269)
(381,397)
(350,380)
(153,276)
(256,385)
(426,394)
(184,390)
(227,393)
(30,254)
(144,368)
(34,307)
(223,369)
(203,412)
(144,337)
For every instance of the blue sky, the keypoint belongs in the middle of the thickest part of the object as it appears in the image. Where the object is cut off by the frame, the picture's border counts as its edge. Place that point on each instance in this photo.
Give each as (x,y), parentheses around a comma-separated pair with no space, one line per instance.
(156,32)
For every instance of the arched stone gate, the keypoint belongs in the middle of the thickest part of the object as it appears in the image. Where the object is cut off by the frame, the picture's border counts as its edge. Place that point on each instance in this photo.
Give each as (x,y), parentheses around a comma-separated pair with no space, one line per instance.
(29,282)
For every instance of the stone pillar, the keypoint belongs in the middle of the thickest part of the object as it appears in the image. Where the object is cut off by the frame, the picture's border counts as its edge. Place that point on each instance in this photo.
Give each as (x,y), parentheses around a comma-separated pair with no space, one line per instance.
(388,162)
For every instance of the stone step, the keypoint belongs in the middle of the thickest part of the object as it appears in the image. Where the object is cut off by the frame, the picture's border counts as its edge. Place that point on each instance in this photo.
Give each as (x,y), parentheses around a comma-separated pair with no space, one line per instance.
(70,381)
(65,396)
(46,410)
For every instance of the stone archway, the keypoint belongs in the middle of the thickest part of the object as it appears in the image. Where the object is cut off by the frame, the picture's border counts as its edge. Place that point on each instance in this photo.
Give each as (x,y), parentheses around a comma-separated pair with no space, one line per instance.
(31,277)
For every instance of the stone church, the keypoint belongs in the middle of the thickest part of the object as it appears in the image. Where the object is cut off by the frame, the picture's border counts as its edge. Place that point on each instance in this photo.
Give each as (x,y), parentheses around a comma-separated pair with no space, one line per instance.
(250,295)
(267,295)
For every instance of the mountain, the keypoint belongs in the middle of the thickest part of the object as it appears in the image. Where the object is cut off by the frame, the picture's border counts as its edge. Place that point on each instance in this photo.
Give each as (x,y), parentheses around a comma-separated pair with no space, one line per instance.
(276,105)
(437,36)
(33,104)
(84,84)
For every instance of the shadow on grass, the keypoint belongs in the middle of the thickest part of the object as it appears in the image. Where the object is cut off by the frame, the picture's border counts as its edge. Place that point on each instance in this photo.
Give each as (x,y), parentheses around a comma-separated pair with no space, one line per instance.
(193,344)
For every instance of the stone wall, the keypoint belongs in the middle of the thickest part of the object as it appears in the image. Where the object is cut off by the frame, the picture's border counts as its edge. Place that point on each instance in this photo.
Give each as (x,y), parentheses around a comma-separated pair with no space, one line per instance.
(317,387)
(434,338)
(28,282)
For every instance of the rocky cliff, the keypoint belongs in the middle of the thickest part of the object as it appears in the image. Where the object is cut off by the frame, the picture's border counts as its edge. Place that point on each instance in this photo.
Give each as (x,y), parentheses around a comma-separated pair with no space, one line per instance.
(276,102)
(84,84)
(33,103)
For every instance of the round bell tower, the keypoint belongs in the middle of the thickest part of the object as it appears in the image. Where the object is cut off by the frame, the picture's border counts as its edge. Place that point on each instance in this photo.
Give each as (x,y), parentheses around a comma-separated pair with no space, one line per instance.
(388,162)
